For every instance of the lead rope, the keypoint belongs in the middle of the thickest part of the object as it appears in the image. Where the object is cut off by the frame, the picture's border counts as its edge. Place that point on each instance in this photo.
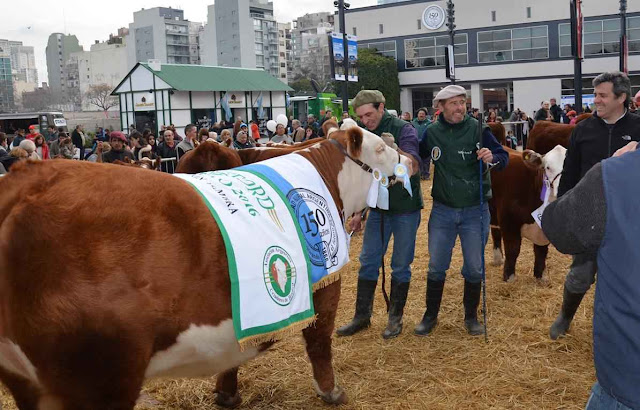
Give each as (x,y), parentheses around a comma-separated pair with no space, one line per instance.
(484,282)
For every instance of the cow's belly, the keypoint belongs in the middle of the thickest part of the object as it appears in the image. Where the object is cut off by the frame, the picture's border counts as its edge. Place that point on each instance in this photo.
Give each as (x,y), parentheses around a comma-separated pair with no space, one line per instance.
(534,233)
(200,351)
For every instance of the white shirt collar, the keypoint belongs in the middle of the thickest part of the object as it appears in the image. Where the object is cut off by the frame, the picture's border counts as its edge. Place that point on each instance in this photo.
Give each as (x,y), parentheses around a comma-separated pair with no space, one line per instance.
(610,123)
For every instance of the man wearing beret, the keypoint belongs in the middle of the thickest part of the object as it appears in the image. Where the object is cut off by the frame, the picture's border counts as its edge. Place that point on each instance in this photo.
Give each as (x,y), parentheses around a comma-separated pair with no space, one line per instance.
(401,219)
(456,143)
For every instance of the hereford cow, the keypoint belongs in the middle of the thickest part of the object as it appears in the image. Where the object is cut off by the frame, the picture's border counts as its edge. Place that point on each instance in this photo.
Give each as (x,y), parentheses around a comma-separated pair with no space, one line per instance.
(498,131)
(545,135)
(516,194)
(92,304)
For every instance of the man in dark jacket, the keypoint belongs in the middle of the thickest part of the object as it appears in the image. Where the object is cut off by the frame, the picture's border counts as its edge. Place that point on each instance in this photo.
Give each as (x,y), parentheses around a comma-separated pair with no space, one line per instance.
(118,152)
(556,112)
(454,143)
(606,203)
(609,128)
(78,139)
(421,123)
(400,218)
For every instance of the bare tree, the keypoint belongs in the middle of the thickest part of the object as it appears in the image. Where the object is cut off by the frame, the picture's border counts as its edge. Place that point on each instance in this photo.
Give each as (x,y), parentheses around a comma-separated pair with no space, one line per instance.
(100,96)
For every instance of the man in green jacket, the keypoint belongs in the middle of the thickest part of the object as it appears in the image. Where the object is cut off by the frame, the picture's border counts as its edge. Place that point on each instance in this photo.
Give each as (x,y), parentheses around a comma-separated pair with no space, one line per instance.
(455,143)
(401,219)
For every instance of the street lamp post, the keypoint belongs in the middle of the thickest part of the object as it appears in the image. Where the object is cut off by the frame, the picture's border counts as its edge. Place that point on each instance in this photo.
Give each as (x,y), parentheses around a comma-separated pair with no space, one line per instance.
(623,37)
(576,51)
(451,26)
(342,6)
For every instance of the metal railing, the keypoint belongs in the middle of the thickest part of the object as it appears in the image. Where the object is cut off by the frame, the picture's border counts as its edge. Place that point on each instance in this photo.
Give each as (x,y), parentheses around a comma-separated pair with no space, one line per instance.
(168,165)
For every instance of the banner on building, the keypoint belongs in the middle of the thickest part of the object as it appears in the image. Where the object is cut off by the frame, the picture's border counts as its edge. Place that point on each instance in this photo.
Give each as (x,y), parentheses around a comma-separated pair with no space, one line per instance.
(352,48)
(144,101)
(236,99)
(337,56)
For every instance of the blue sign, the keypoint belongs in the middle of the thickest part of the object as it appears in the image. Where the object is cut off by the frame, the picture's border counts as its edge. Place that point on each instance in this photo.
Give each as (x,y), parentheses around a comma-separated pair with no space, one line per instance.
(352,45)
(337,48)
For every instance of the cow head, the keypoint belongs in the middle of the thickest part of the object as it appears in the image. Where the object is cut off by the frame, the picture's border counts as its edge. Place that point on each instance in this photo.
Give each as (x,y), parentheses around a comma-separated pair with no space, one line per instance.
(371,150)
(208,156)
(551,163)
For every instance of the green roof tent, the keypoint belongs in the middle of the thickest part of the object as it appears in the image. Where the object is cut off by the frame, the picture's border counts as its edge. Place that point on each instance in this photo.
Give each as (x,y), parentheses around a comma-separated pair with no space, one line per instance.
(154,94)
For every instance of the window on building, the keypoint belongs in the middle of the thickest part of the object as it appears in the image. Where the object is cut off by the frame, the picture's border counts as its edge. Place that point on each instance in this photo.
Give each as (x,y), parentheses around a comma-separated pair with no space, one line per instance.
(430,51)
(260,61)
(527,43)
(385,48)
(355,32)
(257,24)
(633,33)
(601,37)
(283,76)
(528,12)
(493,16)
(283,65)
(259,48)
(381,28)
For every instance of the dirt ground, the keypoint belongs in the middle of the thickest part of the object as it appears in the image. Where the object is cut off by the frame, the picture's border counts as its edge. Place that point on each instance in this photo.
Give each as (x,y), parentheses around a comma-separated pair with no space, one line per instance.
(520,367)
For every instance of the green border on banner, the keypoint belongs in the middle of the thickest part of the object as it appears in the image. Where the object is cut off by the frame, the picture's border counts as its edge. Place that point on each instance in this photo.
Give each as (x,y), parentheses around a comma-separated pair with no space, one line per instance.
(233,269)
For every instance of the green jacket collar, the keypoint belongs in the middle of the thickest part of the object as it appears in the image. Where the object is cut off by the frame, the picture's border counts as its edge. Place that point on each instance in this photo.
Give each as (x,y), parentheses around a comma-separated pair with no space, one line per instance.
(459,125)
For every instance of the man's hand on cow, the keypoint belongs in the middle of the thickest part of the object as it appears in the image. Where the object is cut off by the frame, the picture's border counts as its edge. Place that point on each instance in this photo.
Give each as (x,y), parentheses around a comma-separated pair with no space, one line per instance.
(627,148)
(485,155)
(355,224)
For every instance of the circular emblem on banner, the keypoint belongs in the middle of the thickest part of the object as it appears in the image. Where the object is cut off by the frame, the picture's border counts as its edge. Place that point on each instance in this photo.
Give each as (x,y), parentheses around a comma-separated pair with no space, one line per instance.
(318,226)
(279,275)
(435,153)
(433,17)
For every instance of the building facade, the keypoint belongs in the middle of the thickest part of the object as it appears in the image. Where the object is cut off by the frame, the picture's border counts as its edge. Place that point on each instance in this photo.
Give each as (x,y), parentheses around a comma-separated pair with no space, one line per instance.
(310,46)
(284,52)
(59,49)
(6,78)
(161,34)
(508,54)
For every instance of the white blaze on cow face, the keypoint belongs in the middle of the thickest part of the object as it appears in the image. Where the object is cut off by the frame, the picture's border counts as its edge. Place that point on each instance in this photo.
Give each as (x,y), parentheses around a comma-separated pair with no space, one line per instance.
(200,351)
(553,163)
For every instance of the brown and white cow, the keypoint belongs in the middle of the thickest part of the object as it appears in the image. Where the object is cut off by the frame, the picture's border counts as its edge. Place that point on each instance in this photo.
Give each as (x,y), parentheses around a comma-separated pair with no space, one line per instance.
(545,135)
(92,304)
(516,194)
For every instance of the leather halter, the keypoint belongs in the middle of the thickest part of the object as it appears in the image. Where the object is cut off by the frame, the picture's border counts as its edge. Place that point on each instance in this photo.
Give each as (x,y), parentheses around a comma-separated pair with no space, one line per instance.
(361,164)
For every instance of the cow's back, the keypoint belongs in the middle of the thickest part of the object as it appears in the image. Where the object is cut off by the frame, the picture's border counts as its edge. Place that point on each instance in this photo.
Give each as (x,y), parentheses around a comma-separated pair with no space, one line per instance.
(546,135)
(97,257)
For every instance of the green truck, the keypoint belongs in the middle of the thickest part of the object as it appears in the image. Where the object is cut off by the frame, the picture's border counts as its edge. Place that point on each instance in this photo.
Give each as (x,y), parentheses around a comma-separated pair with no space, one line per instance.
(304,105)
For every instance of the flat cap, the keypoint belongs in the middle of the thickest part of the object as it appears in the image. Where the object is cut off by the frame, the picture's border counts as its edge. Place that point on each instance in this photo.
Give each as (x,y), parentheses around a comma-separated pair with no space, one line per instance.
(447,92)
(367,97)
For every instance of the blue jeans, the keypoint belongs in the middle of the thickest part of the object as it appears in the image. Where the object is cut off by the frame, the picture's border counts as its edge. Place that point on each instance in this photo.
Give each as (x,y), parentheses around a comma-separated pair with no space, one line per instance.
(445,224)
(601,400)
(404,228)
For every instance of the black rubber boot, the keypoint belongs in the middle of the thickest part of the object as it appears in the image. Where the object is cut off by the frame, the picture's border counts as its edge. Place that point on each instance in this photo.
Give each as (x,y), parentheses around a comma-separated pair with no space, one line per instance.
(430,318)
(570,303)
(364,307)
(399,292)
(471,301)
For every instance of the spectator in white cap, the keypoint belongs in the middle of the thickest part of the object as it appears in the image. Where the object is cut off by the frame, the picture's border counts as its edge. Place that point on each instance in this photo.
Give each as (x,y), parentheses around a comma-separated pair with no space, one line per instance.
(456,142)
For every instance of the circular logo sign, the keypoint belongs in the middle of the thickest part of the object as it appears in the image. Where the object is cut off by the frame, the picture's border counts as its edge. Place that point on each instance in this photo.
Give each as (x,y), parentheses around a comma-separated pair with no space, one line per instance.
(433,17)
(317,225)
(435,153)
(279,275)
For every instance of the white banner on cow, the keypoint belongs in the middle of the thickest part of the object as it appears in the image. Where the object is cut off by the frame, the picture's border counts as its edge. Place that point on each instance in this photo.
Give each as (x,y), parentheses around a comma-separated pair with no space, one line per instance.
(266,252)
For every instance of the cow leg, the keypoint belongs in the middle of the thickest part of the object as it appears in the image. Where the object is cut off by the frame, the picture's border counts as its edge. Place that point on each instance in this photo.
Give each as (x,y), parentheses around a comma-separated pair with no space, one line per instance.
(227,389)
(496,237)
(318,341)
(25,394)
(540,263)
(512,243)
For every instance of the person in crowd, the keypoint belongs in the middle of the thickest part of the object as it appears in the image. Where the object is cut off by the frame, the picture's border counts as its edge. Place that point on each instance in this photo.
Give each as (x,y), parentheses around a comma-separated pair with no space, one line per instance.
(32,133)
(106,147)
(587,109)
(401,220)
(345,115)
(593,139)
(236,126)
(188,143)
(78,138)
(242,141)
(152,142)
(572,116)
(30,147)
(526,128)
(311,121)
(255,131)
(280,136)
(555,110)
(16,154)
(493,117)
(475,113)
(167,150)
(4,145)
(599,216)
(66,149)
(309,133)
(42,149)
(421,123)
(19,137)
(543,114)
(328,115)
(298,132)
(52,133)
(134,143)
(101,135)
(454,143)
(118,143)
(406,116)
(225,138)
(203,134)
(636,99)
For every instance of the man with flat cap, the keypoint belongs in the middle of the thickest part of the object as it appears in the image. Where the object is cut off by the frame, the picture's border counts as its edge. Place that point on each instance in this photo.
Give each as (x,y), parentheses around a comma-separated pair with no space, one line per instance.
(401,220)
(456,143)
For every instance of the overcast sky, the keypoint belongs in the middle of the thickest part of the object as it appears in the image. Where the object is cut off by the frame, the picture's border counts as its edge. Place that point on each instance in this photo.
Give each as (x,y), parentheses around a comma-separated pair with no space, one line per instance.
(89,21)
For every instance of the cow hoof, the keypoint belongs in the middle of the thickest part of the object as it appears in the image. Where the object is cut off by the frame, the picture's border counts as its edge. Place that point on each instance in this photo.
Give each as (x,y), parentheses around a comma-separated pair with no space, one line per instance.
(543,281)
(227,401)
(497,257)
(511,279)
(337,396)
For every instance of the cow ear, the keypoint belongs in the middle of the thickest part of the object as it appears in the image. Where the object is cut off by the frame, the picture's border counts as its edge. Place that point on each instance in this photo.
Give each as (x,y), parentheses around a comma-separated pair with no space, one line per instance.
(329,126)
(532,159)
(354,141)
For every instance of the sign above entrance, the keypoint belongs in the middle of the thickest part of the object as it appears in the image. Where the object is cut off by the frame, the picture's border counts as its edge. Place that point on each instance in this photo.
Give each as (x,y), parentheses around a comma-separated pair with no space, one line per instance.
(144,102)
(236,99)
(433,17)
